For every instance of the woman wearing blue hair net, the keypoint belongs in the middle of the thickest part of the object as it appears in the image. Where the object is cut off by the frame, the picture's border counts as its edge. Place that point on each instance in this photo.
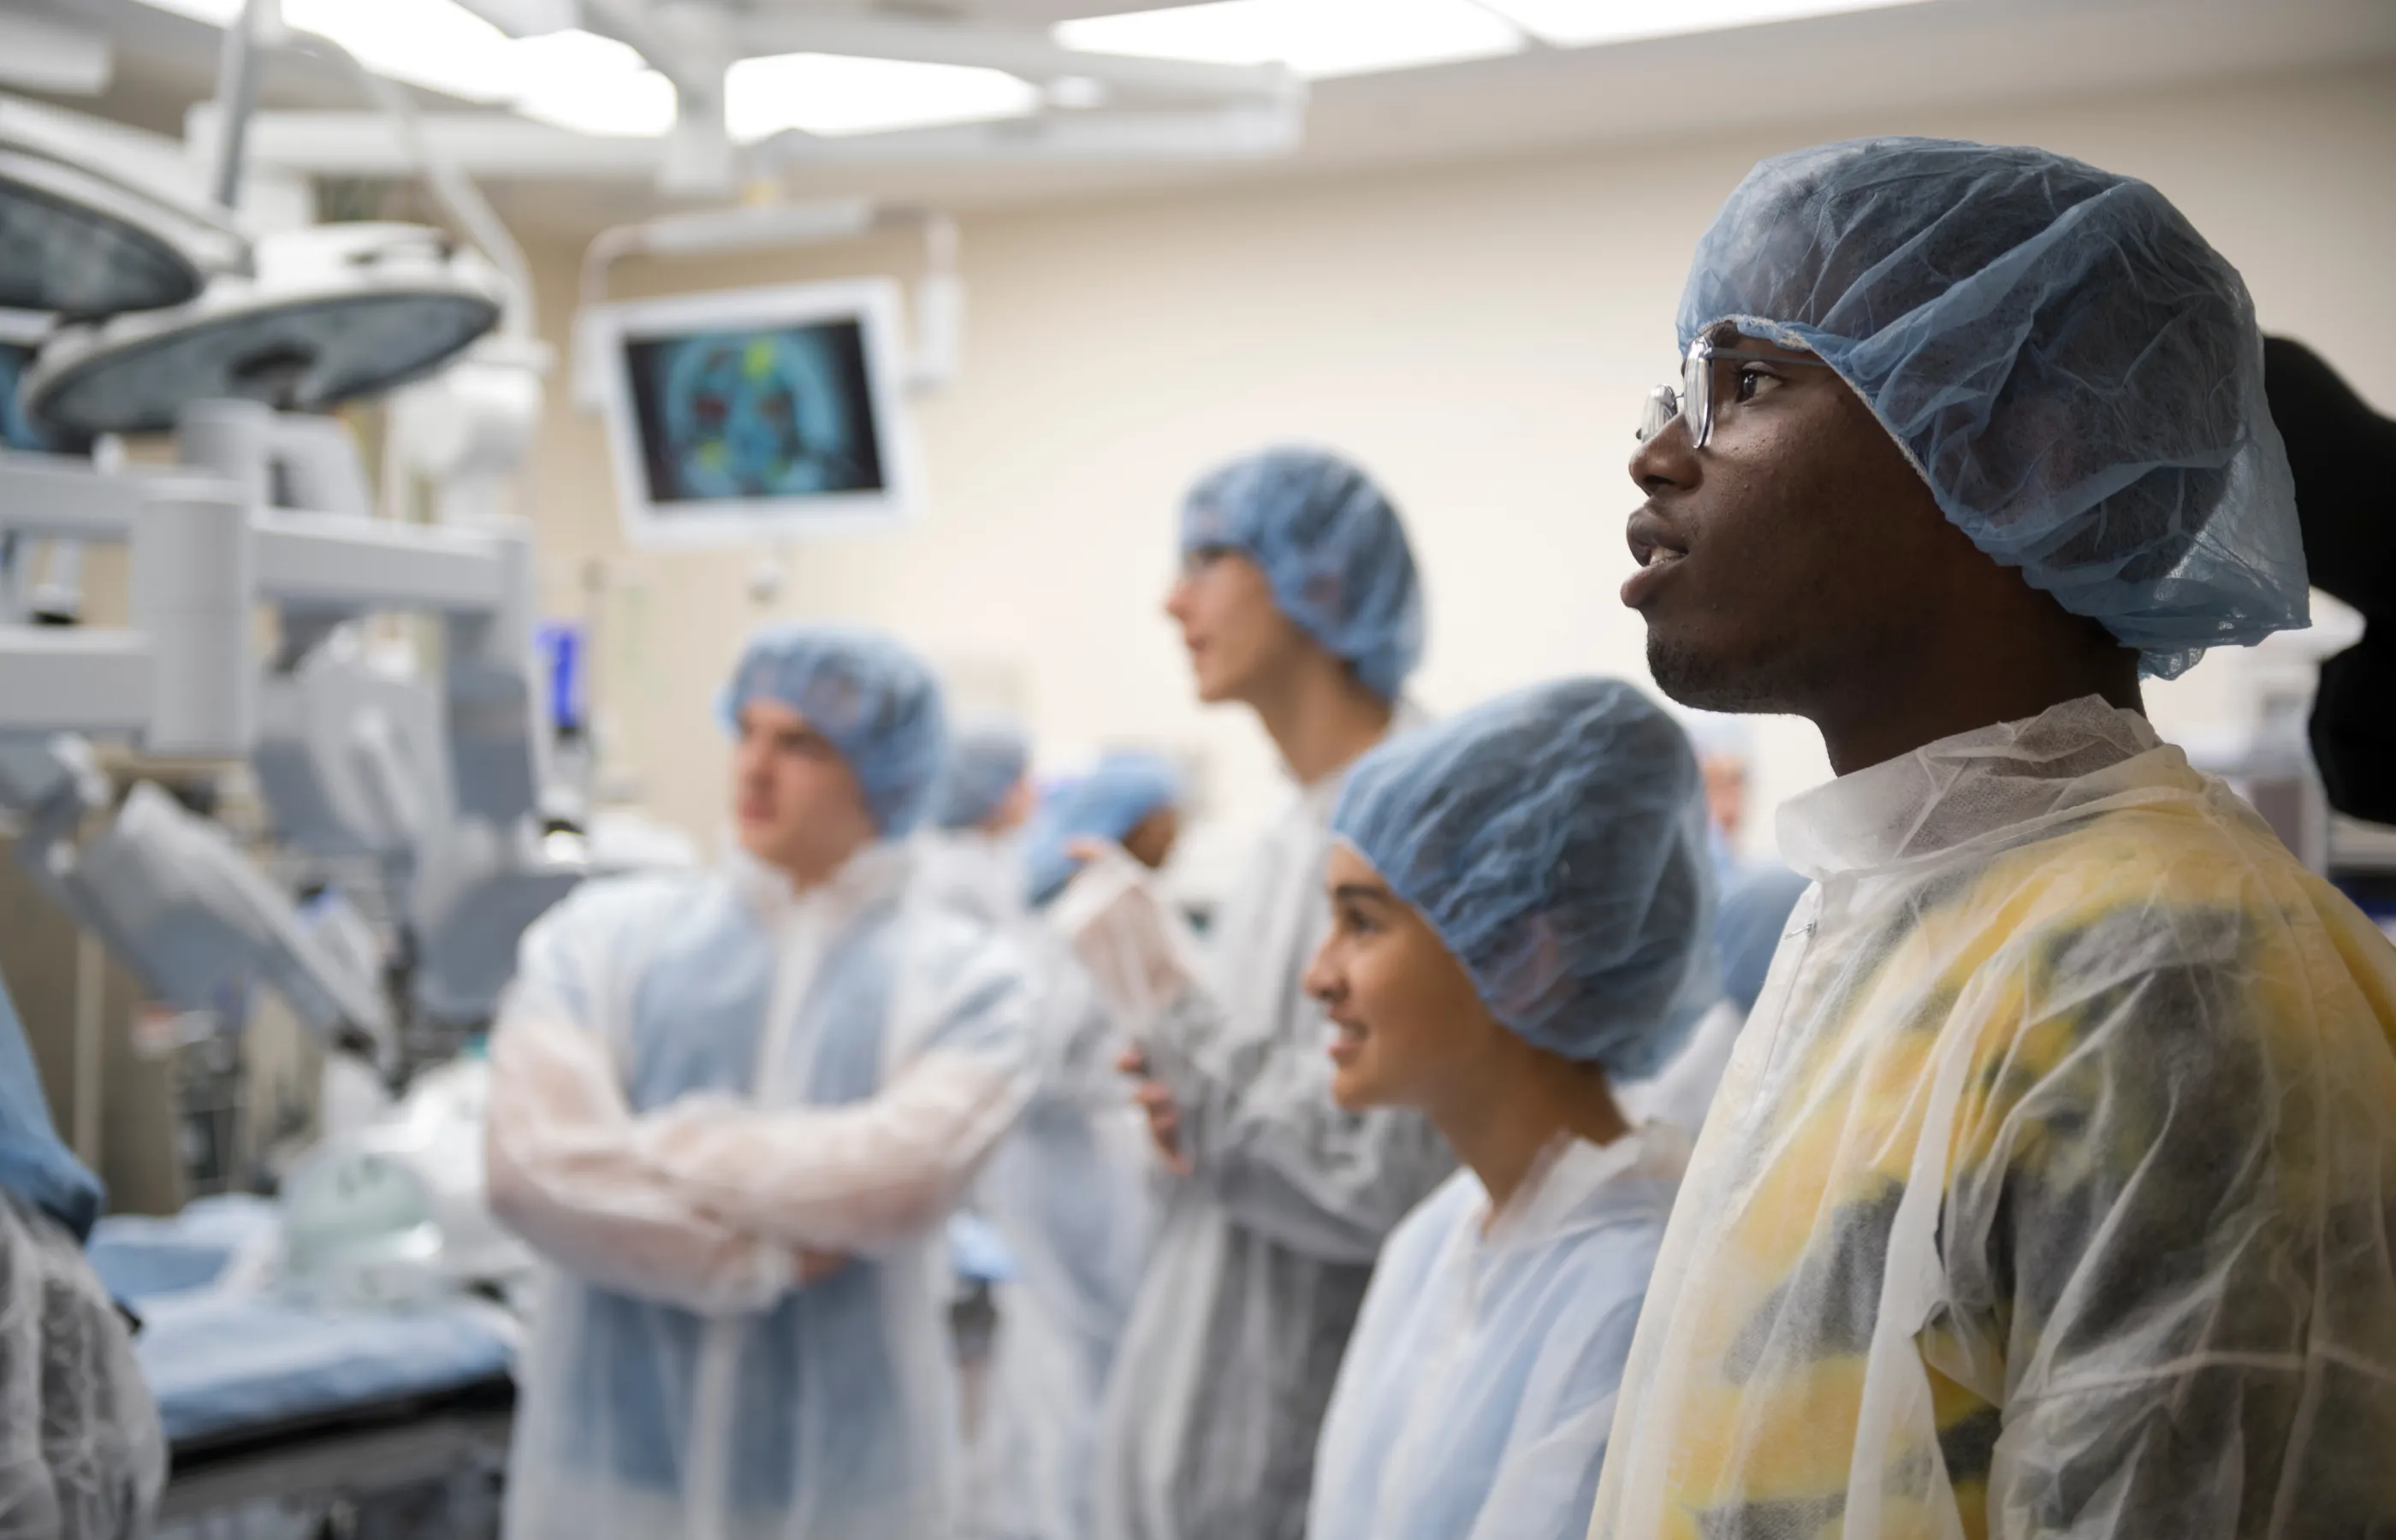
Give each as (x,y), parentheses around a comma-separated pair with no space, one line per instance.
(1299,599)
(730,1111)
(2049,1189)
(1520,914)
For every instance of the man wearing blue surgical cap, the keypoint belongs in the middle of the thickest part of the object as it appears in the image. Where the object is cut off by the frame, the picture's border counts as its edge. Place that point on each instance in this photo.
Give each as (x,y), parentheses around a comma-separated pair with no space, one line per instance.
(1299,599)
(1521,916)
(731,1110)
(2051,1186)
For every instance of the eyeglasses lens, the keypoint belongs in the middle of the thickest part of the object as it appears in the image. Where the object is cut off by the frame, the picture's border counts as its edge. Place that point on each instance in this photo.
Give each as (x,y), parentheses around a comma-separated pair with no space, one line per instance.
(1662,406)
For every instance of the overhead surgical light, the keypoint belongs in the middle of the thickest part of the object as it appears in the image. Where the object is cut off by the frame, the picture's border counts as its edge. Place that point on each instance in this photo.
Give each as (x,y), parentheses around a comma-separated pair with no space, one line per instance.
(335,311)
(833,96)
(80,241)
(1585,24)
(1314,38)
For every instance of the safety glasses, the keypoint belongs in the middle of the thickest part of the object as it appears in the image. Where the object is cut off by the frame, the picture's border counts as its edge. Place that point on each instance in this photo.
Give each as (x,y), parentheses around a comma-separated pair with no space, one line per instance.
(1694,399)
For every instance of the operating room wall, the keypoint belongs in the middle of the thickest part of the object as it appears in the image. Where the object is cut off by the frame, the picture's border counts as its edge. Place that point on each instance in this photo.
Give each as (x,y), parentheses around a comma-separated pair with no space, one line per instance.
(1478,335)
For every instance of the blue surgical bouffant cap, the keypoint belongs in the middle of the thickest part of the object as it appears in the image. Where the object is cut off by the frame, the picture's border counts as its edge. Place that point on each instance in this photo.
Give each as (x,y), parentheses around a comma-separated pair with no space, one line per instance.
(985,764)
(2073,370)
(1120,791)
(1555,840)
(1329,542)
(872,698)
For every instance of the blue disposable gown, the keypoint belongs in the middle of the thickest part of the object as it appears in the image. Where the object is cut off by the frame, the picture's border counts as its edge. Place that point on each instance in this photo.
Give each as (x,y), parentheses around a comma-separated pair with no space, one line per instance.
(1068,1191)
(696,1078)
(1478,1390)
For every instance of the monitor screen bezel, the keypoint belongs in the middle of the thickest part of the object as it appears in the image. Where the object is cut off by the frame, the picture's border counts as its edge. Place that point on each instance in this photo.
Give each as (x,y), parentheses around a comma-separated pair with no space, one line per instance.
(873,303)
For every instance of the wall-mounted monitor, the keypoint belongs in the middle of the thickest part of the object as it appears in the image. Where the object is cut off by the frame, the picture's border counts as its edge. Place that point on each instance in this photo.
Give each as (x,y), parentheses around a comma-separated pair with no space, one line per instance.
(756,415)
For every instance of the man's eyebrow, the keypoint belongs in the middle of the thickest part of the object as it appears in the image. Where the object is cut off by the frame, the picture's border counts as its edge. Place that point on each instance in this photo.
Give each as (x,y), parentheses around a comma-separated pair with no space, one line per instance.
(1371,892)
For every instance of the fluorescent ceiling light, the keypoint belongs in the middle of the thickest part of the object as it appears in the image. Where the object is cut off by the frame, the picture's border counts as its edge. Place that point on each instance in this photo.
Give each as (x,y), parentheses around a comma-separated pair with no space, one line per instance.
(574,80)
(833,96)
(1314,38)
(216,13)
(435,44)
(1580,23)
(590,84)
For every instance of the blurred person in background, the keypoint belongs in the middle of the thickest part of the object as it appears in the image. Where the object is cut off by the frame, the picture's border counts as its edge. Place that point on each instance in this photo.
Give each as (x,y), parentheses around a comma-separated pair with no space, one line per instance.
(971,848)
(1130,798)
(1068,1190)
(731,1110)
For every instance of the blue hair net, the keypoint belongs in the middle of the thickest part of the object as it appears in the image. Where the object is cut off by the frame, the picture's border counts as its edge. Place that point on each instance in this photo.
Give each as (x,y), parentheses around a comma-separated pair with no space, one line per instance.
(875,701)
(1107,804)
(984,764)
(2072,369)
(1331,546)
(1555,840)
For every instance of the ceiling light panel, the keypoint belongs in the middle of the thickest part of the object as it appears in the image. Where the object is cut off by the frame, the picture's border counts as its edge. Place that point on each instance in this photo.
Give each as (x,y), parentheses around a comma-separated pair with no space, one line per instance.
(833,96)
(574,79)
(1314,38)
(435,44)
(1585,24)
(590,84)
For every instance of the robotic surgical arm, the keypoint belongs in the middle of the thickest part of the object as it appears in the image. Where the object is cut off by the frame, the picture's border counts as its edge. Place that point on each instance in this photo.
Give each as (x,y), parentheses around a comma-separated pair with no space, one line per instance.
(173,897)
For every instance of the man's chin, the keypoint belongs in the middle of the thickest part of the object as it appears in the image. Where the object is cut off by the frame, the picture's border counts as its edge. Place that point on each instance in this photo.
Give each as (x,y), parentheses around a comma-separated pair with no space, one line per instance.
(1710,679)
(758,840)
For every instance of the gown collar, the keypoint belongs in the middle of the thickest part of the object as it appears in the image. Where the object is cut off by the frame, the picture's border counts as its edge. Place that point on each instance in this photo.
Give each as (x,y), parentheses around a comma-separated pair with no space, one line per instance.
(1960,788)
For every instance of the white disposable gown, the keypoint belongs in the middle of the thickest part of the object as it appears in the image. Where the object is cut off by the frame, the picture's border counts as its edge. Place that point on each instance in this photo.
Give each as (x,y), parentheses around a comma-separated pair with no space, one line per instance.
(1479,1389)
(82,1457)
(696,1078)
(2050,1188)
(1263,1251)
(1068,1191)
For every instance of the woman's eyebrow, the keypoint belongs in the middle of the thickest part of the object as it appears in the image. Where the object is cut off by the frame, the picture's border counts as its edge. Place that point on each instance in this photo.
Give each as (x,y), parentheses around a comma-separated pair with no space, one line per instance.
(1362,892)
